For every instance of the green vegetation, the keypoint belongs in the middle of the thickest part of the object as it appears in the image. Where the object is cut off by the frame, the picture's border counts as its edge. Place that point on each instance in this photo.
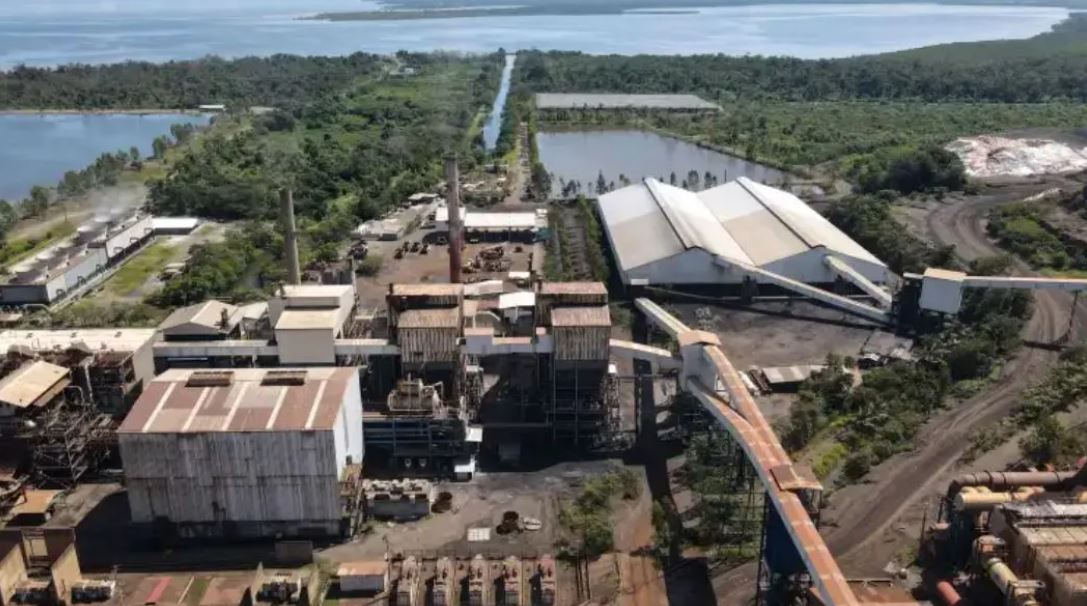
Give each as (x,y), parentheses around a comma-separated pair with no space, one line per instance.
(283,81)
(588,518)
(594,239)
(868,220)
(1048,441)
(910,169)
(1022,229)
(727,513)
(139,269)
(881,416)
(1054,70)
(88,313)
(214,270)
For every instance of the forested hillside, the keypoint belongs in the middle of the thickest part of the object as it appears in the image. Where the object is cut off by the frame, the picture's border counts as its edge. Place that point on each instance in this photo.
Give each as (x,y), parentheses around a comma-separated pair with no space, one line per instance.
(1048,67)
(281,81)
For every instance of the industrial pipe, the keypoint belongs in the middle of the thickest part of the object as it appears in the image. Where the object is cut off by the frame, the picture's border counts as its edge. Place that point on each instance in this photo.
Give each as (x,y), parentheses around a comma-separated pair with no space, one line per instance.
(948,594)
(456,225)
(290,236)
(1007,581)
(1000,480)
(977,500)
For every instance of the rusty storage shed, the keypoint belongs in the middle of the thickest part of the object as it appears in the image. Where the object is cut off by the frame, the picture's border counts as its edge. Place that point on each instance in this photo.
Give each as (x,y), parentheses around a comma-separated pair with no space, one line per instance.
(244,452)
(429,335)
(581,333)
(559,294)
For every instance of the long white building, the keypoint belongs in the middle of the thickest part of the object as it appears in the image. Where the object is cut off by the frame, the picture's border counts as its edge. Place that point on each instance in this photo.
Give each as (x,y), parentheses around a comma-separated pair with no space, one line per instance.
(243,452)
(665,235)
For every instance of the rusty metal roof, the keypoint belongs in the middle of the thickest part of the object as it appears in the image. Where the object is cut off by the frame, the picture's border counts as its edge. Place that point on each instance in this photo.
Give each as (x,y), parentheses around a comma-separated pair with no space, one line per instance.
(573,288)
(244,401)
(581,316)
(446,317)
(423,290)
(33,384)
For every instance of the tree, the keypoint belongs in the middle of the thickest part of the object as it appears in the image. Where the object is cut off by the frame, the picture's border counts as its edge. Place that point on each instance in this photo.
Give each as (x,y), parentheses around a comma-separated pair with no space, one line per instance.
(37,203)
(601,184)
(159,147)
(693,179)
(672,178)
(1049,442)
(134,154)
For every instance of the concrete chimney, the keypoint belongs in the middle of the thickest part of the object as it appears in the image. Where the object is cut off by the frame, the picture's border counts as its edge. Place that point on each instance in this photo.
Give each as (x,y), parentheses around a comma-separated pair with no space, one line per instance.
(456,225)
(290,236)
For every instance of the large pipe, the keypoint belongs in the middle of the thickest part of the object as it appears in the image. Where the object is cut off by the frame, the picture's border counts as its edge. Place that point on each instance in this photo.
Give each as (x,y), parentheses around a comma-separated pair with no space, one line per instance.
(948,594)
(1002,480)
(456,226)
(969,500)
(1008,583)
(290,236)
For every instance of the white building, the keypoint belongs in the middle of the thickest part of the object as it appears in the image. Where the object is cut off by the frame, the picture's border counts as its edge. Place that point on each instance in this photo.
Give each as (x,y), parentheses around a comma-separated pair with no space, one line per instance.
(662,234)
(243,452)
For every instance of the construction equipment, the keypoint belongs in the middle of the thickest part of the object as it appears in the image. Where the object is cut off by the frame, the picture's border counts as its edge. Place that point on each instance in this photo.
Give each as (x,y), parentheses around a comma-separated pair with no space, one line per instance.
(492,252)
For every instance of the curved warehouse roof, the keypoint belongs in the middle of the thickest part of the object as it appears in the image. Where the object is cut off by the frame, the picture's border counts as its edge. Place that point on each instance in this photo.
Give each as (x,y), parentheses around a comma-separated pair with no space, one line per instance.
(741,221)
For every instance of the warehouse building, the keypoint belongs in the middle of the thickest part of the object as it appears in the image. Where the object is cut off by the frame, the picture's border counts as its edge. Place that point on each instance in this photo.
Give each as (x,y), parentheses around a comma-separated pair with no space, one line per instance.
(68,266)
(245,452)
(665,235)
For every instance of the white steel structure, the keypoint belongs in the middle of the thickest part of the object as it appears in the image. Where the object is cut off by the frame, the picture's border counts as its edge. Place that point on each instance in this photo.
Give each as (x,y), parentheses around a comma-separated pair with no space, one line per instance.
(243,452)
(662,234)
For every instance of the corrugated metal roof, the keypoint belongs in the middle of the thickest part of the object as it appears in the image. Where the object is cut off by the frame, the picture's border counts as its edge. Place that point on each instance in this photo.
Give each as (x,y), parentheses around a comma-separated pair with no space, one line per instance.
(448,317)
(242,402)
(517,299)
(581,316)
(573,288)
(362,568)
(31,383)
(423,290)
(208,314)
(742,221)
(477,220)
(111,339)
(614,101)
(303,319)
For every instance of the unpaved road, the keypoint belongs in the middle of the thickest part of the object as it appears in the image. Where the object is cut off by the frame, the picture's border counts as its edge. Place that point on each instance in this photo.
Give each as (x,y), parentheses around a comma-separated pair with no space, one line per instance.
(856,522)
(905,479)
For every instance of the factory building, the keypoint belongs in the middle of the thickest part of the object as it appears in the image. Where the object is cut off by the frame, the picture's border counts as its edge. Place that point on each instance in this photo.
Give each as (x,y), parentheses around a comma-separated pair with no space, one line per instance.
(512,227)
(726,235)
(60,393)
(245,452)
(65,267)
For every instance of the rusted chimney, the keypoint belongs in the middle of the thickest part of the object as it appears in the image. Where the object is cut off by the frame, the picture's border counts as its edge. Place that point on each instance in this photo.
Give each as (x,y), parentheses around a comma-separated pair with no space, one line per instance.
(290,236)
(456,225)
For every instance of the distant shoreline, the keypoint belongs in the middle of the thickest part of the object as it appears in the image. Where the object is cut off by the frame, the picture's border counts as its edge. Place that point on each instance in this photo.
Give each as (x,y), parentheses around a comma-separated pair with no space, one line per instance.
(100,112)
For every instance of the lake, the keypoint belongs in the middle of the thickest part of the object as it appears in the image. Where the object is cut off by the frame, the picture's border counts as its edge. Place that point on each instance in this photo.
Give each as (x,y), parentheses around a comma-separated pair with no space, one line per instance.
(51,32)
(584,155)
(39,148)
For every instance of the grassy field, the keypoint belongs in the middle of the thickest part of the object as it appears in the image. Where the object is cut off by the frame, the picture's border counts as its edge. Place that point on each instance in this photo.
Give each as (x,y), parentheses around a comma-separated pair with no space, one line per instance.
(139,269)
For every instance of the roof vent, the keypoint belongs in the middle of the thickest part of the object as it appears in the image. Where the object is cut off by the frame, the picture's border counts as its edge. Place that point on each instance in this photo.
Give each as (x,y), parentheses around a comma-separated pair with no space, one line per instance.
(220,378)
(284,377)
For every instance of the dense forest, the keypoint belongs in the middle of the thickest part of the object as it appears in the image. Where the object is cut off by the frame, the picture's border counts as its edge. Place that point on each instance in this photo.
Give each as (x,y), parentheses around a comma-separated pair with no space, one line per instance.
(1048,67)
(281,81)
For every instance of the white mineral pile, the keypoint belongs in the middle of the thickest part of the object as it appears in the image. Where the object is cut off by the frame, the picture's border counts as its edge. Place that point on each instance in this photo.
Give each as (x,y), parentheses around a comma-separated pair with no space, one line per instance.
(988,156)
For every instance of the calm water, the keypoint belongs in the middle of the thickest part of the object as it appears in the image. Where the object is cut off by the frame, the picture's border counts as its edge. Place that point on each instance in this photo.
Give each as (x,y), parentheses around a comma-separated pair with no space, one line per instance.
(583,155)
(494,122)
(49,32)
(39,149)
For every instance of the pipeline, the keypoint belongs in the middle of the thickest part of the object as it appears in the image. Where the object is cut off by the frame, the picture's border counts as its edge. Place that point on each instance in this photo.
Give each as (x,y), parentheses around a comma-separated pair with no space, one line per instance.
(948,594)
(1007,581)
(1000,480)
(972,498)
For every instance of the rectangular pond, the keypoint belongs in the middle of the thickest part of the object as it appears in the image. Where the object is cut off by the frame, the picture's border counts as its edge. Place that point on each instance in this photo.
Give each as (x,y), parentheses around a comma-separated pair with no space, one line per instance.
(582,156)
(39,148)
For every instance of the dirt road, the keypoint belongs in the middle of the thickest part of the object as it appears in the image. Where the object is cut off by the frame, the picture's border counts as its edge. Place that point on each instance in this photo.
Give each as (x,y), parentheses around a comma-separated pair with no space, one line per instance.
(905,479)
(858,523)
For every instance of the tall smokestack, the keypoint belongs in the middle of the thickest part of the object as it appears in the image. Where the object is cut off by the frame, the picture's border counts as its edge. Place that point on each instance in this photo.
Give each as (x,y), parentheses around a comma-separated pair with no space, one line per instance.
(290,236)
(456,225)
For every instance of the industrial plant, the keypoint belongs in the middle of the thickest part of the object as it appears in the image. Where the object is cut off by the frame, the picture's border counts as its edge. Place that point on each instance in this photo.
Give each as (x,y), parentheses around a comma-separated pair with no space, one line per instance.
(316,416)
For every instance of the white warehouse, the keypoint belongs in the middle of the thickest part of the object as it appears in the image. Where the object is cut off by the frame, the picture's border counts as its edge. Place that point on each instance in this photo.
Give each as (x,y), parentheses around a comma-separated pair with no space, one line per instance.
(665,235)
(244,452)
